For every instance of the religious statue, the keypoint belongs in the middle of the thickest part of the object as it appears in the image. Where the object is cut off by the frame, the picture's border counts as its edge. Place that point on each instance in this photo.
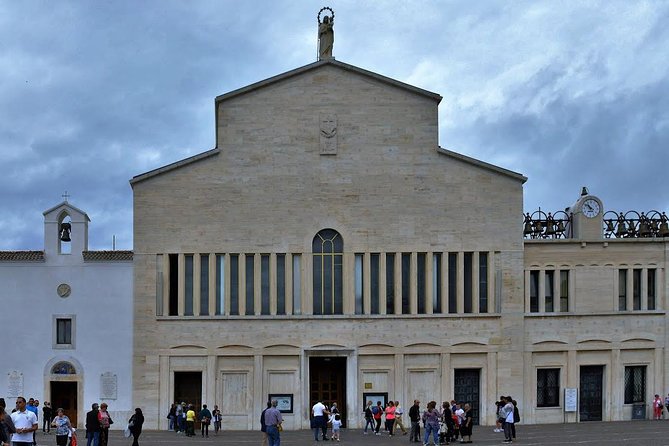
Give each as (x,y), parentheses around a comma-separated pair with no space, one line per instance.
(325,35)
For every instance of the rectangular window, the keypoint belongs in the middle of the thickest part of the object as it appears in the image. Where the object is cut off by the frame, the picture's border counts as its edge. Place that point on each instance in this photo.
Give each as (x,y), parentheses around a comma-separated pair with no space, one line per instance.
(420,282)
(250,310)
(390,283)
(549,281)
(280,284)
(359,282)
(564,291)
(548,387)
(204,284)
(406,283)
(220,284)
(534,291)
(635,384)
(188,307)
(636,289)
(374,283)
(234,284)
(622,289)
(264,284)
(174,284)
(651,290)
(297,284)
(64,331)
(483,282)
(452,282)
(468,282)
(436,282)
(159,285)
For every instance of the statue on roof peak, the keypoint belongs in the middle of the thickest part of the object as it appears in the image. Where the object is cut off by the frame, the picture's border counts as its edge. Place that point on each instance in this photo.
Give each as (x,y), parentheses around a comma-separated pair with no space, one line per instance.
(325,34)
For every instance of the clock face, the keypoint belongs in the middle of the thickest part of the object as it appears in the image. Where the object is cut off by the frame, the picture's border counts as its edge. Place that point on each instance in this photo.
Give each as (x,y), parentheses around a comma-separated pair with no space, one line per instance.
(590,208)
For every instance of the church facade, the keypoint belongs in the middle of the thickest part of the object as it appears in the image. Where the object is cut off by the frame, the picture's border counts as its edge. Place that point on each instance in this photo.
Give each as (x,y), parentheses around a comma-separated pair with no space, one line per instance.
(329,249)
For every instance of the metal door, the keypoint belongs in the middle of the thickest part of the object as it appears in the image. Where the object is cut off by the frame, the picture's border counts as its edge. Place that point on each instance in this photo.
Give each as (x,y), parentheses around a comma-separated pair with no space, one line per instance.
(467,389)
(590,393)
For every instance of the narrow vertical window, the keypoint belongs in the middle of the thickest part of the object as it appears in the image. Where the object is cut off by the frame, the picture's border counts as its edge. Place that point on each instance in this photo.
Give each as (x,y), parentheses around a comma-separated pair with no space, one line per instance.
(174,284)
(297,284)
(359,282)
(452,282)
(534,291)
(548,387)
(250,281)
(63,331)
(204,284)
(220,284)
(327,249)
(188,307)
(548,290)
(564,290)
(636,289)
(651,290)
(374,283)
(390,283)
(622,289)
(280,284)
(406,283)
(159,285)
(436,282)
(483,282)
(234,284)
(264,284)
(420,282)
(468,282)
(635,384)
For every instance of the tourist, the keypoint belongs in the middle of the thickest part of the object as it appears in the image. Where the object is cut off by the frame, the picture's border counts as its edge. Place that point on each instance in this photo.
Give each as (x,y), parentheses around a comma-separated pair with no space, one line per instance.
(431,422)
(499,420)
(369,417)
(398,417)
(93,426)
(446,434)
(46,417)
(33,406)
(273,420)
(414,416)
(205,419)
(216,418)
(336,426)
(390,417)
(5,430)
(508,419)
(467,424)
(377,411)
(172,416)
(516,418)
(263,426)
(319,412)
(135,424)
(105,421)
(63,427)
(25,423)
(190,421)
(657,407)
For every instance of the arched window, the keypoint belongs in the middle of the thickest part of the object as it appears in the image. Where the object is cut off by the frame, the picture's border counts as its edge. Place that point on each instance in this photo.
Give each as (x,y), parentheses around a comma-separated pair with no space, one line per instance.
(327,249)
(63,368)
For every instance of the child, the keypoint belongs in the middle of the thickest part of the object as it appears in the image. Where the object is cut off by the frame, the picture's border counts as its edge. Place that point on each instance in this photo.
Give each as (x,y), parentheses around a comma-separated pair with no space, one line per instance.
(336,424)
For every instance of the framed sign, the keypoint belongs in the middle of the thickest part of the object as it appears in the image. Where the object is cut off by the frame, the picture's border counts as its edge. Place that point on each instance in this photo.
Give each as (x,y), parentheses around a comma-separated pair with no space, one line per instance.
(570,400)
(284,401)
(374,397)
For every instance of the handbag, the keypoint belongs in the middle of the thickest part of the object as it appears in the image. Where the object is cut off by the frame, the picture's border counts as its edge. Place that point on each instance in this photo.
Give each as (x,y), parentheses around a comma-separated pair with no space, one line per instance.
(279,427)
(126,432)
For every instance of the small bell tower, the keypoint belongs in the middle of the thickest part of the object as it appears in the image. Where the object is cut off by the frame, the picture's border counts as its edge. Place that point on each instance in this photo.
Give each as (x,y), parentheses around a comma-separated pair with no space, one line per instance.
(65,231)
(587,217)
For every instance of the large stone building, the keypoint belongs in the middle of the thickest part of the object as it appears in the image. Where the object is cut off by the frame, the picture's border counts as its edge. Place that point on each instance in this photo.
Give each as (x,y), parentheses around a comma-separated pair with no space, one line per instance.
(329,249)
(68,313)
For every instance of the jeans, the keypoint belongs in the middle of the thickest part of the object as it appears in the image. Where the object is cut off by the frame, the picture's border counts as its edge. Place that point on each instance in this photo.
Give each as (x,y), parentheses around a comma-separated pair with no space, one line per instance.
(435,433)
(508,431)
(414,435)
(171,426)
(273,436)
(369,422)
(93,437)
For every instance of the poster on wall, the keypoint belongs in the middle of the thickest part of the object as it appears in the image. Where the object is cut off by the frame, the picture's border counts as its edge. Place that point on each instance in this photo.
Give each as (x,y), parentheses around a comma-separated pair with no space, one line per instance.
(375,397)
(284,401)
(14,384)
(570,400)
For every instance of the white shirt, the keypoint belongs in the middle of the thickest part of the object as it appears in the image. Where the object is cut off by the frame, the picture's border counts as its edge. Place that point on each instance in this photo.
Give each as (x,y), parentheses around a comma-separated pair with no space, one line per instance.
(24,420)
(318,409)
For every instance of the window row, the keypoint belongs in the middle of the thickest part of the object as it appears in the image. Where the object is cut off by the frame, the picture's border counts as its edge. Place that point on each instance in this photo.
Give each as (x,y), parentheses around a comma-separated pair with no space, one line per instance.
(637,289)
(548,291)
(238,284)
(548,386)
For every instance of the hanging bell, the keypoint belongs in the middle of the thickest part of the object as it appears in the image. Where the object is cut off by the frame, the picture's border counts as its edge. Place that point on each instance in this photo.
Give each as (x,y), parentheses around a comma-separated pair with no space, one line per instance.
(527,228)
(664,227)
(65,229)
(644,227)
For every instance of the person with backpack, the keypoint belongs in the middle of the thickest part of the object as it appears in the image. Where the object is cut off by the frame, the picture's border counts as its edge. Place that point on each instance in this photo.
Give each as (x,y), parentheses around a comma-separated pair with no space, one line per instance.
(507,411)
(377,411)
(516,417)
(369,417)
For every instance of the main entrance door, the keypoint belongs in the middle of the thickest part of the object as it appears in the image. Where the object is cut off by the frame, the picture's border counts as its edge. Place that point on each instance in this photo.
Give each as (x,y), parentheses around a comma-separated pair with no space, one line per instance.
(327,383)
(467,389)
(188,388)
(64,395)
(590,393)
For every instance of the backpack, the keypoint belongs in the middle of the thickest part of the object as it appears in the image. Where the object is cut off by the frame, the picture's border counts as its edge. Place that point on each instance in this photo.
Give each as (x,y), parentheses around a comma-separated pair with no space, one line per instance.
(516,415)
(376,412)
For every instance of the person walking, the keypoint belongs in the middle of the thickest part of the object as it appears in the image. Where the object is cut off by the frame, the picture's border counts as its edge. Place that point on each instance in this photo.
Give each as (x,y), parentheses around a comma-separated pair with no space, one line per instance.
(216,417)
(93,426)
(377,412)
(319,412)
(63,427)
(398,418)
(369,417)
(205,419)
(414,417)
(273,420)
(135,424)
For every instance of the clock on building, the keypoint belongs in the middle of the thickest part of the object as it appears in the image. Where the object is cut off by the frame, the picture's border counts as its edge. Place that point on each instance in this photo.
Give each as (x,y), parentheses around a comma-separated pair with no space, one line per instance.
(590,208)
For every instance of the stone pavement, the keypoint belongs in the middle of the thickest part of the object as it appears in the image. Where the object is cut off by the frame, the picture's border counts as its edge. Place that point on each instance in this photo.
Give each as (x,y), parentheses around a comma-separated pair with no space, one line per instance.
(645,433)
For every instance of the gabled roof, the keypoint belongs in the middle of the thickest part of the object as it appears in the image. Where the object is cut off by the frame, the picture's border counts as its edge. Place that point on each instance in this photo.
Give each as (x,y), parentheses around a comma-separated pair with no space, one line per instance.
(482,164)
(336,63)
(21,256)
(155,172)
(66,204)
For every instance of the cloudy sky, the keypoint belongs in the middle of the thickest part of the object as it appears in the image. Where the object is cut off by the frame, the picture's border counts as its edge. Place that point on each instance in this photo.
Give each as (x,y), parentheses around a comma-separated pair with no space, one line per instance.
(568,93)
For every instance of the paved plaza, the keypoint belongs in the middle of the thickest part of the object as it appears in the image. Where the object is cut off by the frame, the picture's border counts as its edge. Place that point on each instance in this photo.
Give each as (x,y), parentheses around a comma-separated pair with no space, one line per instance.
(593,433)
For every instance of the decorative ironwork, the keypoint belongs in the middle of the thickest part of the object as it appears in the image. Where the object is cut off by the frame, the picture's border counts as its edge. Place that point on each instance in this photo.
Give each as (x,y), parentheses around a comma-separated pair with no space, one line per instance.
(631,224)
(539,224)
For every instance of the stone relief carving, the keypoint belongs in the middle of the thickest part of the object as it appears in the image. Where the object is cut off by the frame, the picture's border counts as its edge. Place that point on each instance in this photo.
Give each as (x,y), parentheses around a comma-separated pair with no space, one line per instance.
(328,134)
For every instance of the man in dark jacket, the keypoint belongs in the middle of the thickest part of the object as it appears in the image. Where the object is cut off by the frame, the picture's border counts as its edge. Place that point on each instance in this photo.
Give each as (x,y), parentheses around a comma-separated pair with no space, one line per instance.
(93,426)
(414,416)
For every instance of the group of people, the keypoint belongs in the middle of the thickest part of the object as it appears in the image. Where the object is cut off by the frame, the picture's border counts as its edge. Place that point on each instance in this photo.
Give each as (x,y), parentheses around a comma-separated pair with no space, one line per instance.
(324,416)
(507,417)
(182,418)
(98,422)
